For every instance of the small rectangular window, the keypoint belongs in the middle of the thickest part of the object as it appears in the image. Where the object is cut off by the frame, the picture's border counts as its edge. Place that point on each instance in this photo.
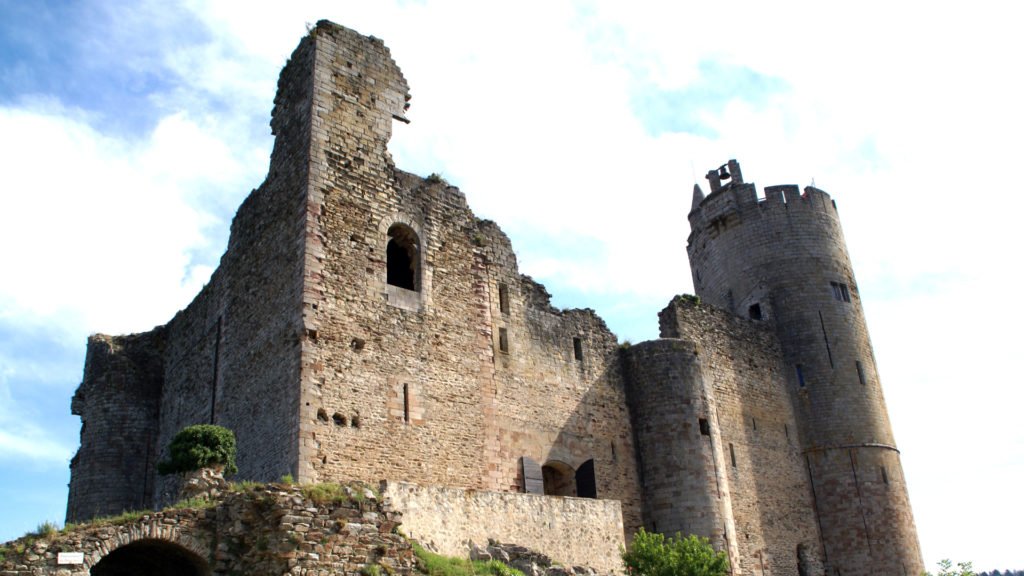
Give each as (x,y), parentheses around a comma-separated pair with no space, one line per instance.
(755,312)
(503,340)
(753,421)
(840,291)
(705,427)
(860,373)
(577,348)
(732,455)
(800,375)
(503,298)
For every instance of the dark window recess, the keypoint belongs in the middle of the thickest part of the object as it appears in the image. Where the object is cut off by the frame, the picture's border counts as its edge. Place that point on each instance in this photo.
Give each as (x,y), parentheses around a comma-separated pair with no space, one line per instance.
(340,420)
(755,312)
(885,475)
(503,340)
(800,375)
(403,256)
(840,291)
(732,455)
(753,422)
(321,415)
(705,427)
(860,373)
(785,428)
(577,348)
(503,298)
(586,481)
(405,400)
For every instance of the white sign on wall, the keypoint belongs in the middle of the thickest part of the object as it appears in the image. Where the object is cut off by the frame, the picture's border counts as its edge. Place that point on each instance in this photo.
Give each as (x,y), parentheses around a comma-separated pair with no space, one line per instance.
(70,558)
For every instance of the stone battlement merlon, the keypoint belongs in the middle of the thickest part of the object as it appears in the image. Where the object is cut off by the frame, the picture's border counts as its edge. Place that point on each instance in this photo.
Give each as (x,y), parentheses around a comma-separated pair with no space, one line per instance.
(731,202)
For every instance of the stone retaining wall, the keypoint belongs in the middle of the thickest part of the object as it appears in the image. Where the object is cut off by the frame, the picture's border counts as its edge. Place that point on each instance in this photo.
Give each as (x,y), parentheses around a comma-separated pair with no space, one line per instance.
(572,531)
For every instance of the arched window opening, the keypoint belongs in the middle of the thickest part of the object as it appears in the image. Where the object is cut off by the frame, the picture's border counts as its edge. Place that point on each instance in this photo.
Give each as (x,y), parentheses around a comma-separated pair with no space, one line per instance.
(559,479)
(586,482)
(403,257)
(152,557)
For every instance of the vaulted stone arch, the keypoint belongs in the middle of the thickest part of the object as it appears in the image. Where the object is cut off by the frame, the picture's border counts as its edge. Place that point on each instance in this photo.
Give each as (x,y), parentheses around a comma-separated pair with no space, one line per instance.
(154,557)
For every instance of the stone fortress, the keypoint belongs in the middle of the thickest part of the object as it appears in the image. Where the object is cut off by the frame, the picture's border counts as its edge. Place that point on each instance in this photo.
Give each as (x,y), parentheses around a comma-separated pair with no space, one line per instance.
(364,324)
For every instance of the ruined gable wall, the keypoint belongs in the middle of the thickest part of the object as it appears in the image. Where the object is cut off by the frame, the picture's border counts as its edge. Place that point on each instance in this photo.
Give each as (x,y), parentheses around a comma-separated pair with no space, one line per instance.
(118,402)
(233,353)
(473,410)
(770,495)
(549,405)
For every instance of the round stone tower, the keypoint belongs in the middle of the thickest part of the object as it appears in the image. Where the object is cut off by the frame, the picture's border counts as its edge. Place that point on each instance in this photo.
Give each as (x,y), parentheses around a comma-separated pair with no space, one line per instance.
(783,259)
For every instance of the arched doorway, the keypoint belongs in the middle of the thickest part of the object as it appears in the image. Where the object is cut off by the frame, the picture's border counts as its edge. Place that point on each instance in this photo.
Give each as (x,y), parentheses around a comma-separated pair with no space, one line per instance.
(559,479)
(152,558)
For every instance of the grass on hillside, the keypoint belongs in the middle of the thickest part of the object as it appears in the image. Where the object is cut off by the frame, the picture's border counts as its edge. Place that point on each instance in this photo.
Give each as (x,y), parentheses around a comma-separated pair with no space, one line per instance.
(438,565)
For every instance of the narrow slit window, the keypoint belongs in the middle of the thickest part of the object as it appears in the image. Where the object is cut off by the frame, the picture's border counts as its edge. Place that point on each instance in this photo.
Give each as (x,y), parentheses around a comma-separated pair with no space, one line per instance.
(577,348)
(503,298)
(753,422)
(503,340)
(800,375)
(732,455)
(885,475)
(405,400)
(860,373)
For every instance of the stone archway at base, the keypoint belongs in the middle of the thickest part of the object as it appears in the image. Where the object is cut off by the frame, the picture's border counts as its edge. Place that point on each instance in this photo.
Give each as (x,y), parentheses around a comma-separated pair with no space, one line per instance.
(152,557)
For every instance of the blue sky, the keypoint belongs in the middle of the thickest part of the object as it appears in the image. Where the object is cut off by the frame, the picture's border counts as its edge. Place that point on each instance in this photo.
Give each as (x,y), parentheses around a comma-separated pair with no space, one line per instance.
(131,131)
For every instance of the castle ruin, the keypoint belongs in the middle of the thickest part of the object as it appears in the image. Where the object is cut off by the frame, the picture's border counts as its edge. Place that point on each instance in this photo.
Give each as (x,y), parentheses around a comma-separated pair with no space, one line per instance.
(363,324)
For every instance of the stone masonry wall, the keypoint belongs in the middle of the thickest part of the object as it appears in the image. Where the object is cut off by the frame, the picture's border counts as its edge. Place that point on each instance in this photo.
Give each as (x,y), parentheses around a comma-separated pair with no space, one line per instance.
(771,499)
(118,401)
(784,256)
(233,355)
(413,384)
(684,487)
(574,531)
(271,529)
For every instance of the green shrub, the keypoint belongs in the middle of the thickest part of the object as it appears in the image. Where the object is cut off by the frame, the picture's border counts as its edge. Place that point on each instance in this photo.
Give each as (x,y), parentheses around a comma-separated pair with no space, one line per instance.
(653,555)
(200,446)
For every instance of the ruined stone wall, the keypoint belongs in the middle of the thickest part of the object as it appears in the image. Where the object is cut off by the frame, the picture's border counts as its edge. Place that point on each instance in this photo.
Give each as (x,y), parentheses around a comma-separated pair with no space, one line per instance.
(574,531)
(413,384)
(271,529)
(784,258)
(118,402)
(762,462)
(233,354)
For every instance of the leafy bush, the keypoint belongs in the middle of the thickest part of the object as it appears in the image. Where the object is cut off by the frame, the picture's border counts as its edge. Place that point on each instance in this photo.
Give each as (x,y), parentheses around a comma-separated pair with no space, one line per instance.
(653,555)
(200,446)
(946,569)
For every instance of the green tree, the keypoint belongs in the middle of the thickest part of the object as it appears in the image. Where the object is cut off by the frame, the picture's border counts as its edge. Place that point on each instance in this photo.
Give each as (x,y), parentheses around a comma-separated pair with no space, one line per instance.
(654,555)
(200,446)
(946,569)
